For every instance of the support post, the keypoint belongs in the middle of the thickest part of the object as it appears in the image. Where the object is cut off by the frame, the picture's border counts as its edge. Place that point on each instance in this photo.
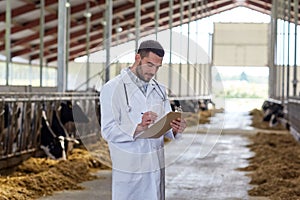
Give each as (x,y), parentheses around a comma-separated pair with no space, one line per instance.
(283,54)
(61,47)
(273,50)
(137,23)
(296,13)
(180,63)
(68,6)
(171,40)
(108,32)
(7,39)
(87,48)
(188,51)
(288,52)
(42,32)
(156,18)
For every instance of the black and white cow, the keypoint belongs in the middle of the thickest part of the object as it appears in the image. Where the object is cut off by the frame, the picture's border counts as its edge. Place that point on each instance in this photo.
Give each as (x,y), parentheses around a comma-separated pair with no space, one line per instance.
(272,112)
(10,127)
(57,139)
(206,104)
(71,114)
(192,105)
(175,105)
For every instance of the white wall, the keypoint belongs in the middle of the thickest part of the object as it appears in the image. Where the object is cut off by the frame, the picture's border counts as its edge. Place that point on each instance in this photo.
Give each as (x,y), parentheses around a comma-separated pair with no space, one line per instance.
(240,44)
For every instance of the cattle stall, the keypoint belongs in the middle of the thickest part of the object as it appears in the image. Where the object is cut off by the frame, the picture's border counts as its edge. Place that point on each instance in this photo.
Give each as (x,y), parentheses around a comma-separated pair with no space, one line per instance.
(294,116)
(24,117)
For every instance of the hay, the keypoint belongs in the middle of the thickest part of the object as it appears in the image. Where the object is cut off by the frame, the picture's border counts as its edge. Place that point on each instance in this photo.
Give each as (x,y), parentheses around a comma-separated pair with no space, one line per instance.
(38,177)
(275,168)
(257,121)
(202,117)
(100,150)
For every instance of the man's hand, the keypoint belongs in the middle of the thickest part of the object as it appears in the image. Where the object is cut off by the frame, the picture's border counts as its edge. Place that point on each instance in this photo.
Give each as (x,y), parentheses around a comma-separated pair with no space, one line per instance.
(147,119)
(178,125)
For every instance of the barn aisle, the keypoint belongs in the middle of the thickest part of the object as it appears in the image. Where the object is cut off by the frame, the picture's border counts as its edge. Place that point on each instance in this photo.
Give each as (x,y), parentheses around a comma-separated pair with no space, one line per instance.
(198,166)
(208,167)
(212,175)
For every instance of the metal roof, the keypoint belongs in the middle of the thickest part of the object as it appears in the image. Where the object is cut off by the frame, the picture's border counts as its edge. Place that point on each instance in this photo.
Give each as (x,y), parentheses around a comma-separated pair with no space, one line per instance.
(25,24)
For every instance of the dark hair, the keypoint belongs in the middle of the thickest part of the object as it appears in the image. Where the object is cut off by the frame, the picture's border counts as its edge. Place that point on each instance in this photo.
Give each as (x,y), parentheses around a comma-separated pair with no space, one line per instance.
(151,46)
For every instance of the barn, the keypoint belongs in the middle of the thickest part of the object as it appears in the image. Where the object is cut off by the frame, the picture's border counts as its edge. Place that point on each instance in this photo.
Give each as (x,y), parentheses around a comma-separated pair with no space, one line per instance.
(230,65)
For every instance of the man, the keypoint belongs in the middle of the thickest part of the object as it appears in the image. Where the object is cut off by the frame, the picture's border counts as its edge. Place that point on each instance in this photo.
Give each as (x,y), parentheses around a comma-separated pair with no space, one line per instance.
(129,104)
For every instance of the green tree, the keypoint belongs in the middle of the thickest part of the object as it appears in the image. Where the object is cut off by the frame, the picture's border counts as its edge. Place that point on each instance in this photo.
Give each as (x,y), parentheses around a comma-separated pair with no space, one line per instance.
(243,77)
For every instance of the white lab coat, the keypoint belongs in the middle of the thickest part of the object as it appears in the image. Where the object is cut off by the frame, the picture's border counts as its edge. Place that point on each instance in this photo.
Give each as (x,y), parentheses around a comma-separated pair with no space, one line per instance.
(138,164)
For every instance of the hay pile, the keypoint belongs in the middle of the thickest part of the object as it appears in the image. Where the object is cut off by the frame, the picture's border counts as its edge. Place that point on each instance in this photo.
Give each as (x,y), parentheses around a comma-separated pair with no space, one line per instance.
(202,117)
(257,121)
(100,150)
(38,177)
(275,168)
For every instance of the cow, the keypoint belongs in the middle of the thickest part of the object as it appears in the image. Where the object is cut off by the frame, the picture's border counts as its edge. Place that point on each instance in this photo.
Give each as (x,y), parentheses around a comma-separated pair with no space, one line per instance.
(175,105)
(272,112)
(58,136)
(71,114)
(10,116)
(191,105)
(26,125)
(206,104)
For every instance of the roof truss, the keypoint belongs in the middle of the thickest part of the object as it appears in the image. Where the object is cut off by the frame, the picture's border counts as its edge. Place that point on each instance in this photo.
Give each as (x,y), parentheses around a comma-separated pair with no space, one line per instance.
(26,22)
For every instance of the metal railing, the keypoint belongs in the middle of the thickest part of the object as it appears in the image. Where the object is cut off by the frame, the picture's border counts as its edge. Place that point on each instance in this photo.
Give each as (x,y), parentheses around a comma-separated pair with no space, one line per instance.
(294,115)
(20,121)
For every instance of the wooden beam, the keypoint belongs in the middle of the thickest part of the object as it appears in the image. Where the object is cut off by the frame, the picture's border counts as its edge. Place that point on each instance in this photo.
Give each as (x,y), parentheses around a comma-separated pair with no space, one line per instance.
(146,22)
(25,9)
(49,18)
(146,17)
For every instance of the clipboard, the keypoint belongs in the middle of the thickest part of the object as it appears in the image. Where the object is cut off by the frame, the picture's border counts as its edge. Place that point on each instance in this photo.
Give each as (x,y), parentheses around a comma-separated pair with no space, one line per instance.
(160,127)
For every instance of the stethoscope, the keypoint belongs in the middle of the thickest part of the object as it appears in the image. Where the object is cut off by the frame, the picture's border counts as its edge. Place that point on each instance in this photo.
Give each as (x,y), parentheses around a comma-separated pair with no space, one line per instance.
(162,95)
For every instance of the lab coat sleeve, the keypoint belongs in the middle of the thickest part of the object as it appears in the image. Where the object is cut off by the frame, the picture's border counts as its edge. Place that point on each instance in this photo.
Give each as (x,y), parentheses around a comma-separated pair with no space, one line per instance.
(115,127)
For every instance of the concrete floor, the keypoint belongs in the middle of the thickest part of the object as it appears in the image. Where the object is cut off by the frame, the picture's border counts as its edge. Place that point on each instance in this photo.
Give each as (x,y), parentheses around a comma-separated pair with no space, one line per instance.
(199,166)
(209,176)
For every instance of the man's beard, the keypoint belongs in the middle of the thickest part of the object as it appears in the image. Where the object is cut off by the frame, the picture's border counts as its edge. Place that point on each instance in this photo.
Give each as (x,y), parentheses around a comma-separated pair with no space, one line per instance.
(138,72)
